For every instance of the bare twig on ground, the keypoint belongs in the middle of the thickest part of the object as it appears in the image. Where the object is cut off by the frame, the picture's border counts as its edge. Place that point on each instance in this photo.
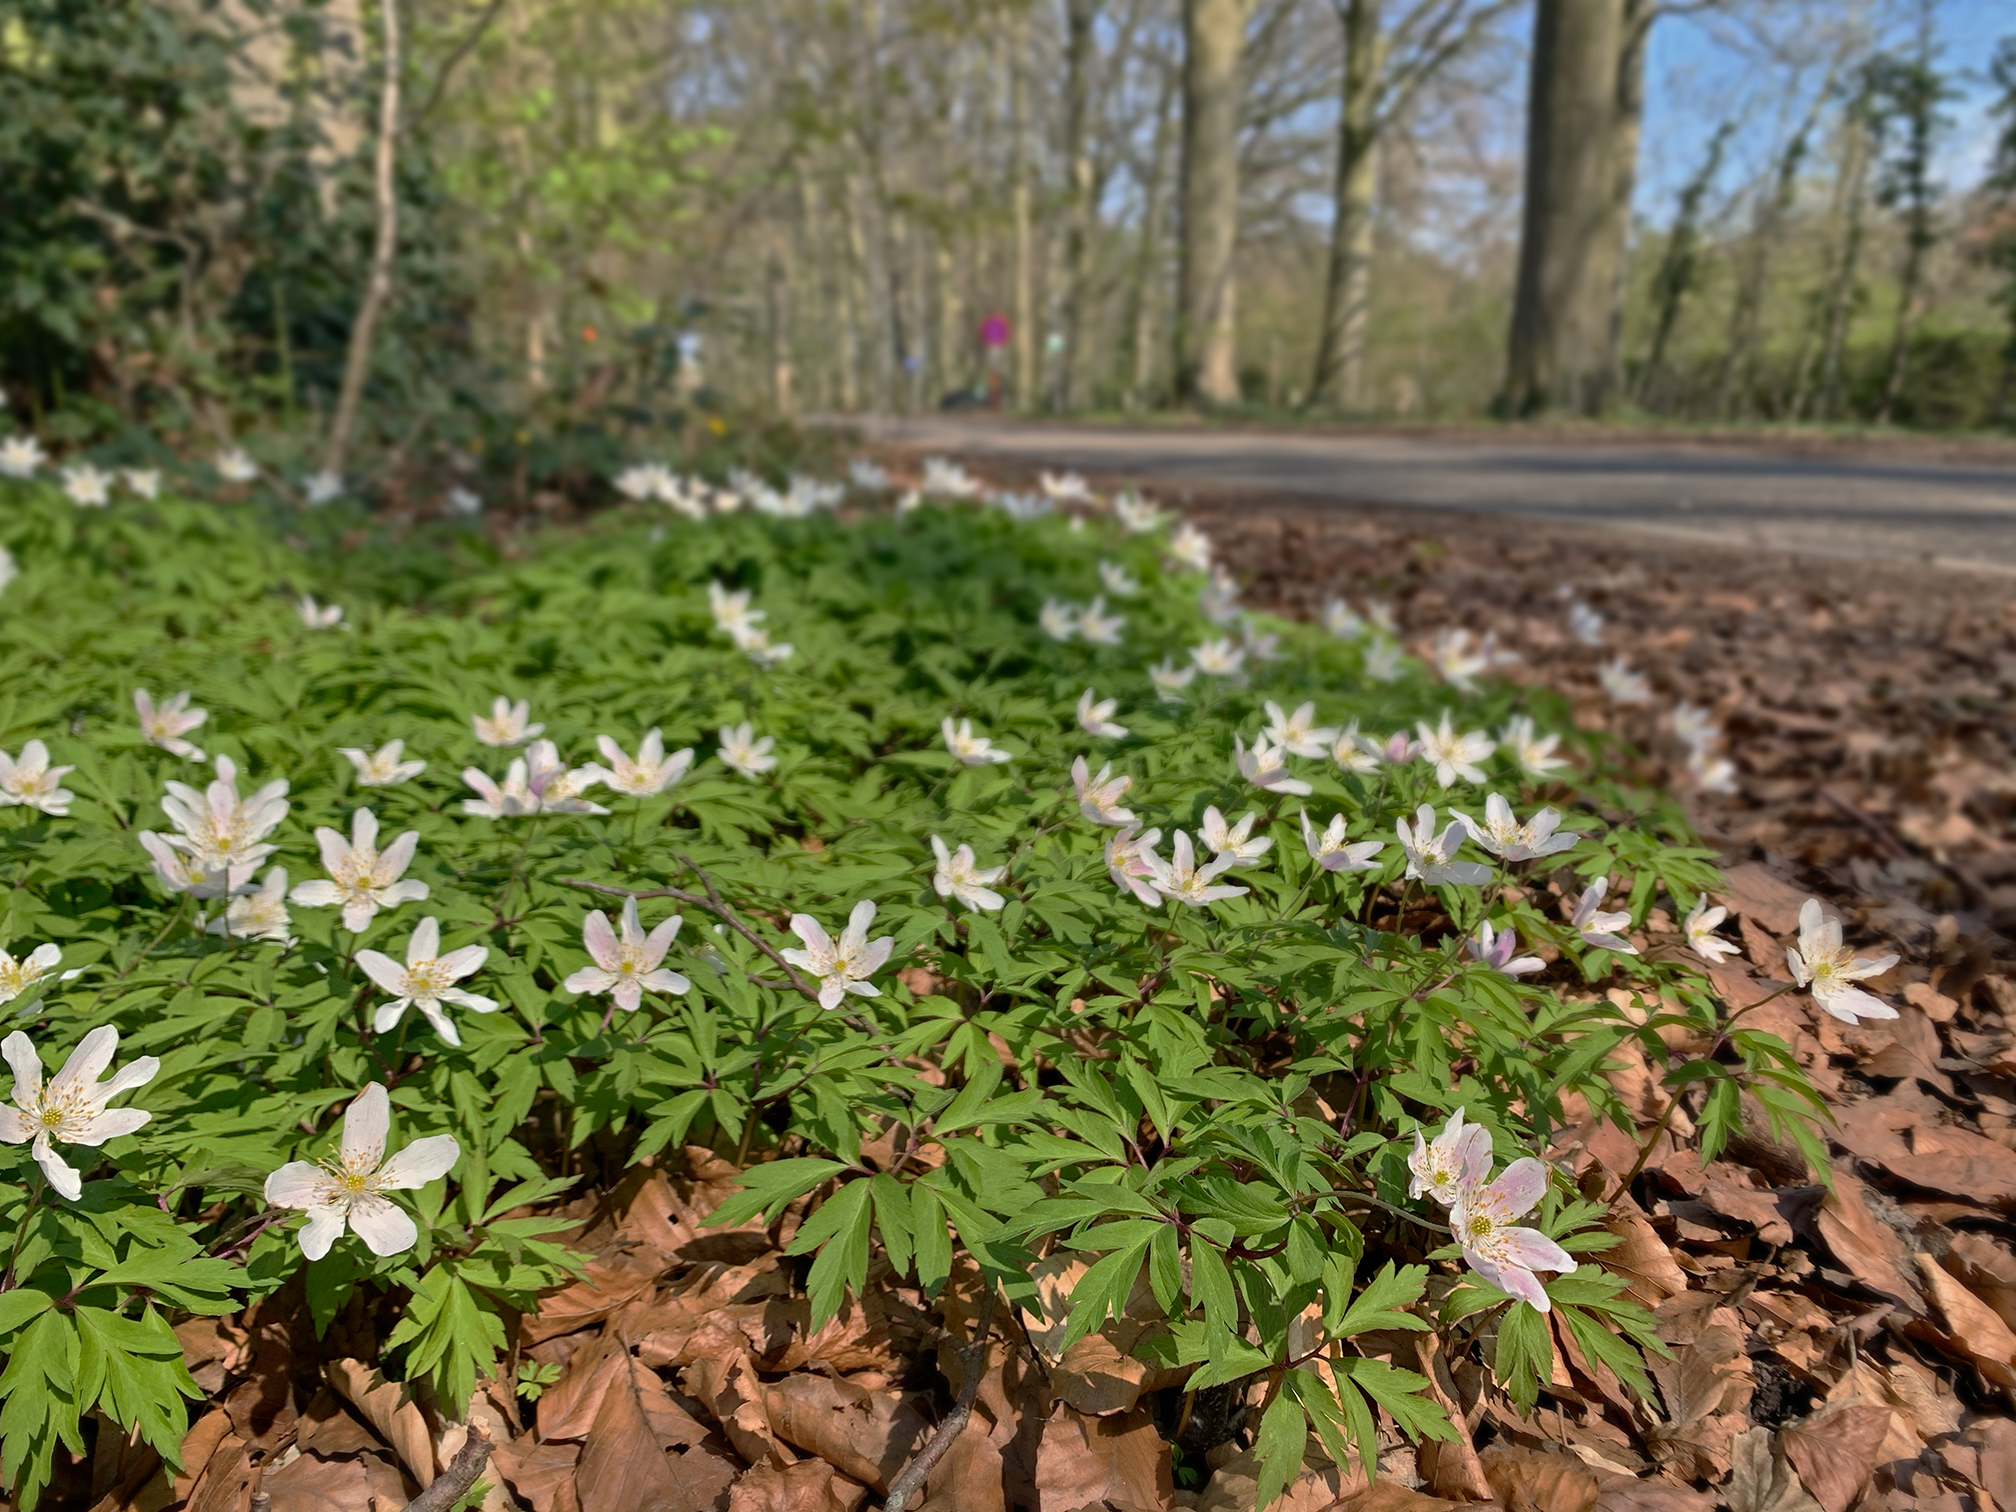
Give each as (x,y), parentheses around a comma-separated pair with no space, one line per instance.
(972,1360)
(453,1483)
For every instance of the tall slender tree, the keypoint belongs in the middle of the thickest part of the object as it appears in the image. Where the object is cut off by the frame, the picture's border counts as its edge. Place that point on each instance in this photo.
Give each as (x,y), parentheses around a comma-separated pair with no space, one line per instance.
(1214,41)
(1679,271)
(1908,92)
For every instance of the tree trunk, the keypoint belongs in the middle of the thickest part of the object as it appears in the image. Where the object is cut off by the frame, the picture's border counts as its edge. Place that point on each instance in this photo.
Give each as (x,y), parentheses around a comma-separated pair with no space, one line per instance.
(1214,40)
(1839,304)
(1679,269)
(1629,128)
(1567,248)
(1079,57)
(1746,318)
(951,317)
(384,246)
(1148,257)
(1020,196)
(777,286)
(1338,376)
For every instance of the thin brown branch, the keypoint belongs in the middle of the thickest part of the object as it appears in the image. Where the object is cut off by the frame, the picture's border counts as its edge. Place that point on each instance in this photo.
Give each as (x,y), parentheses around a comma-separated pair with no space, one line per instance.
(457,55)
(973,1364)
(453,1483)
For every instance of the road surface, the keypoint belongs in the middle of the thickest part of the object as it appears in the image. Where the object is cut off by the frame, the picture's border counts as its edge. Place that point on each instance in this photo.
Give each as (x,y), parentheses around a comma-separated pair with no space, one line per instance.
(1870,507)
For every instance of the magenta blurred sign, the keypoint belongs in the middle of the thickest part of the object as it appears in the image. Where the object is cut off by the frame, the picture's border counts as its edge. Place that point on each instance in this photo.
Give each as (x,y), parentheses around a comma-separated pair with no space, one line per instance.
(994,331)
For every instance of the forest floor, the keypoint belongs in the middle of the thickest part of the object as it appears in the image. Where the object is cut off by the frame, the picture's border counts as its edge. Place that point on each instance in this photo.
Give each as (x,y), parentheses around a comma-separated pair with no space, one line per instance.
(1832,1349)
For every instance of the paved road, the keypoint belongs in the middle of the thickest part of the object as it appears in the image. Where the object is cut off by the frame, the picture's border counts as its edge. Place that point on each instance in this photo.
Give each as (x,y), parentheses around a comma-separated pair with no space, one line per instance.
(1857,506)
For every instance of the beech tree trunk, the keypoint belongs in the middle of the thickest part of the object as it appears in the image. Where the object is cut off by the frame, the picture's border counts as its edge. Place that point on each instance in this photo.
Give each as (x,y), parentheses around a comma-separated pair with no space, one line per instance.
(1148,257)
(384,246)
(1839,302)
(1078,60)
(1628,129)
(1567,247)
(1214,41)
(1020,194)
(1338,376)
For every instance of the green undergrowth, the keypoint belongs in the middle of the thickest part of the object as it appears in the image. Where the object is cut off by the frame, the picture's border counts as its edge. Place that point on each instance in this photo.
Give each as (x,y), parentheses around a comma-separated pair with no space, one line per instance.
(1223,1096)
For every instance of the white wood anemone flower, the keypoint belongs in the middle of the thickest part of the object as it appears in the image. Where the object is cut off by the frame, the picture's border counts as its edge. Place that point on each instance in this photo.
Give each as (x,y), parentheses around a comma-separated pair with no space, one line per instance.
(1483,1221)
(87,487)
(742,752)
(1534,752)
(1828,970)
(32,783)
(1496,949)
(1181,878)
(1298,733)
(1265,768)
(1700,927)
(318,616)
(1430,857)
(626,964)
(1058,619)
(219,830)
(384,767)
(507,724)
(1170,680)
(1333,851)
(362,878)
(145,482)
(1137,516)
(1097,626)
(1234,840)
(1095,716)
(165,724)
(257,913)
(1127,864)
(844,965)
(348,1190)
(1451,752)
(1504,836)
(234,466)
(426,981)
(1218,658)
(959,875)
(71,1107)
(650,773)
(320,488)
(1597,927)
(971,749)
(1190,547)
(1460,1153)
(33,969)
(20,456)
(1099,797)
(1115,578)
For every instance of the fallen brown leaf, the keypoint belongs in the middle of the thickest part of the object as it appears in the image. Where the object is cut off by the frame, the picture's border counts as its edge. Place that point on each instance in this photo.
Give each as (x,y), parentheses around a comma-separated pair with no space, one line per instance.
(354,1483)
(1761,1478)
(1971,1330)
(387,1407)
(1641,1257)
(868,1435)
(813,1486)
(1526,1481)
(1834,1453)
(541,1474)
(622,1466)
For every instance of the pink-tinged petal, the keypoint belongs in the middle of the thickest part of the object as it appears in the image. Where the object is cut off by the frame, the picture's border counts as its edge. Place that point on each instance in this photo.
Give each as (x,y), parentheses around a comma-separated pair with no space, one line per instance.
(660,940)
(88,1061)
(600,939)
(297,1184)
(1473,1153)
(323,1228)
(443,1025)
(1485,1268)
(61,1175)
(633,927)
(1535,1251)
(387,1016)
(394,859)
(21,1058)
(335,849)
(611,751)
(363,829)
(365,1124)
(832,995)
(358,914)
(809,930)
(383,970)
(425,944)
(591,979)
(629,994)
(316,894)
(876,954)
(110,1125)
(422,1161)
(383,1226)
(666,981)
(1524,1285)
(460,963)
(1518,1187)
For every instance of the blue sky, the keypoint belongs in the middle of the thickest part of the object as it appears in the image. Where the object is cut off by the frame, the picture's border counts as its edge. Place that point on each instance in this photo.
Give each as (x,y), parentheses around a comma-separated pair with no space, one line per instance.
(1699,76)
